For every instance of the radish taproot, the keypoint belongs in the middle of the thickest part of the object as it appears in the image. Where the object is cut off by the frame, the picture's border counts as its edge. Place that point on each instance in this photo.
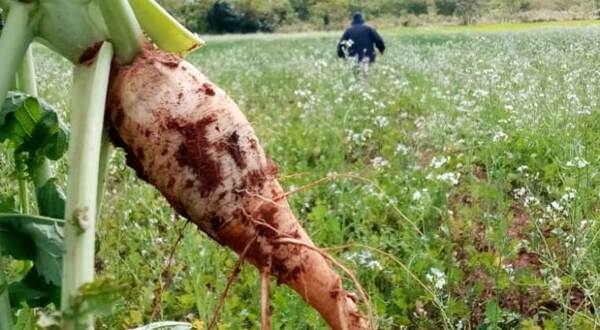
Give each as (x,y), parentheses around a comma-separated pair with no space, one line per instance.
(186,137)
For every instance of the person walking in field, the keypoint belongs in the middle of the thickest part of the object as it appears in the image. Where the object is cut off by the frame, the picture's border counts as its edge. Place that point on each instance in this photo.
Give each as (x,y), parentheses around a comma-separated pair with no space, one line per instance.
(359,42)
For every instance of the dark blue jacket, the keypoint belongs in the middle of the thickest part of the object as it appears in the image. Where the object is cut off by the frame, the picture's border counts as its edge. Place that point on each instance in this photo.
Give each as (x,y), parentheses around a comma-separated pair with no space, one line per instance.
(363,38)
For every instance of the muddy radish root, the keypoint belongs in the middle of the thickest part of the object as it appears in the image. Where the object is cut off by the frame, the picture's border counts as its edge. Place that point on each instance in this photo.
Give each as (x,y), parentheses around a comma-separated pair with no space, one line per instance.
(185,136)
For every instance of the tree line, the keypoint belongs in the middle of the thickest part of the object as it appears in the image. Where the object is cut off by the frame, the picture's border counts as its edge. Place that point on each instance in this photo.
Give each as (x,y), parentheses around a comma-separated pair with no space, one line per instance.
(245,16)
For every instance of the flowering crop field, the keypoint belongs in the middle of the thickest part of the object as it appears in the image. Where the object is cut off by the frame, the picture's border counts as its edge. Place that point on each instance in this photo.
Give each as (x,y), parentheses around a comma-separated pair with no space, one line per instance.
(460,182)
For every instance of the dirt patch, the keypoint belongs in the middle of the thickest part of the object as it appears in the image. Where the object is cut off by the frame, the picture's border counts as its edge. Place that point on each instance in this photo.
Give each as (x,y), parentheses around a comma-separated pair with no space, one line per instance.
(208,89)
(479,277)
(520,222)
(266,213)
(232,145)
(194,152)
(480,172)
(90,53)
(426,157)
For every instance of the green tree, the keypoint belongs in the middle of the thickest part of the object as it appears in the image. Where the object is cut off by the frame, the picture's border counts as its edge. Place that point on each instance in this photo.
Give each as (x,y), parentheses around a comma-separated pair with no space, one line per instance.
(416,7)
(302,8)
(445,7)
(468,10)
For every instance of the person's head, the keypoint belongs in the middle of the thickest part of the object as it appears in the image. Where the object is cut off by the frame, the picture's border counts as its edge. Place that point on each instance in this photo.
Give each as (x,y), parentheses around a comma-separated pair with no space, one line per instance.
(357,18)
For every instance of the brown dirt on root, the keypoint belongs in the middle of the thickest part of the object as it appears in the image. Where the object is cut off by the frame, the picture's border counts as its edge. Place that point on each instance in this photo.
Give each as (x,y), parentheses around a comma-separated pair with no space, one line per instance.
(266,214)
(169,60)
(90,53)
(208,89)
(194,152)
(232,146)
(256,179)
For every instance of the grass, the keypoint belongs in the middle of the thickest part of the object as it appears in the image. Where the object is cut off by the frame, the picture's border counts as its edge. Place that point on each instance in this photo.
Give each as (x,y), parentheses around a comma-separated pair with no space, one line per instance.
(487,142)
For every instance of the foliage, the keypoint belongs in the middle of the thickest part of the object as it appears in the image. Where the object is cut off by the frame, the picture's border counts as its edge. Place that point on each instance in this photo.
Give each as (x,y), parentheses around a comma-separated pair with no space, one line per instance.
(468,10)
(416,7)
(34,130)
(445,7)
(486,141)
(225,16)
(36,133)
(98,298)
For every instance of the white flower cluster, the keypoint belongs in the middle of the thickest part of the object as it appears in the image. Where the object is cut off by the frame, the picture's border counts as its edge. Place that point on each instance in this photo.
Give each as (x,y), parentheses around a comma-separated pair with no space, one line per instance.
(365,259)
(437,278)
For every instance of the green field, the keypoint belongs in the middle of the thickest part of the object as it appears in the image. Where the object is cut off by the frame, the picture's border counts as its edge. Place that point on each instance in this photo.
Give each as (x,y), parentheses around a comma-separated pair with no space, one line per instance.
(472,158)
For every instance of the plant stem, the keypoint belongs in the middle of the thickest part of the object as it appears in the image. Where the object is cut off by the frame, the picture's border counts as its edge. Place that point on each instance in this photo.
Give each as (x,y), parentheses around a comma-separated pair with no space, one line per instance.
(23,196)
(5,313)
(106,152)
(14,41)
(26,74)
(26,83)
(123,28)
(89,96)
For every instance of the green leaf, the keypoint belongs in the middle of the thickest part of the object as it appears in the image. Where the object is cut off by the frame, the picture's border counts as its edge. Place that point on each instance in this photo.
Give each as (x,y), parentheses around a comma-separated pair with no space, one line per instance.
(493,313)
(17,245)
(34,129)
(50,248)
(17,218)
(96,298)
(11,104)
(163,29)
(51,200)
(28,289)
(26,319)
(8,204)
(20,292)
(45,235)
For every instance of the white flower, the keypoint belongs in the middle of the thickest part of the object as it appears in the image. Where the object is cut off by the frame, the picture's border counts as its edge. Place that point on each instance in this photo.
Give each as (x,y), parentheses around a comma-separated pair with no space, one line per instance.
(555,284)
(379,163)
(364,258)
(531,200)
(499,136)
(569,195)
(417,195)
(450,177)
(519,192)
(439,162)
(556,206)
(584,112)
(578,162)
(437,277)
(381,121)
(401,149)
